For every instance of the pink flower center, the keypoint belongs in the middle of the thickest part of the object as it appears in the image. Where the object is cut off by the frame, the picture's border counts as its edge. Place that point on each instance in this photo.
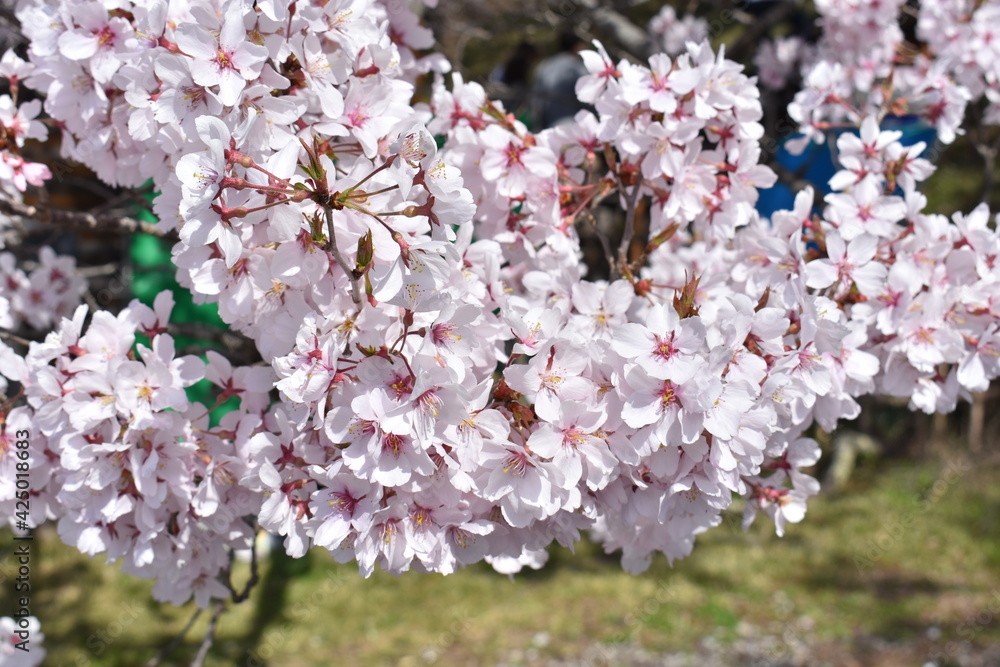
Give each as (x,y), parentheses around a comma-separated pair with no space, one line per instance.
(516,464)
(361,427)
(925,335)
(463,538)
(514,153)
(392,444)
(430,403)
(573,436)
(105,36)
(663,348)
(401,386)
(224,59)
(443,333)
(358,116)
(193,96)
(890,299)
(342,503)
(421,519)
(668,395)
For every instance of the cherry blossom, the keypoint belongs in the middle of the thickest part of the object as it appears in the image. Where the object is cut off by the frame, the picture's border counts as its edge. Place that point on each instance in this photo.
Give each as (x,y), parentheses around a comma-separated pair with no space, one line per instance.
(440,379)
(29,654)
(228,61)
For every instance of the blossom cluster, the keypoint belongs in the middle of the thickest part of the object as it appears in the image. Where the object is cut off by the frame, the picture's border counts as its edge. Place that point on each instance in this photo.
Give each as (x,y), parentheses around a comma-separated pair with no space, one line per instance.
(18,123)
(670,32)
(130,467)
(27,654)
(41,297)
(442,381)
(863,65)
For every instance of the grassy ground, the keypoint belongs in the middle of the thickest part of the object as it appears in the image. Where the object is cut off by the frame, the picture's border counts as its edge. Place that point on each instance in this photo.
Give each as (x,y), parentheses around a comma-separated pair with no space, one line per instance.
(906,552)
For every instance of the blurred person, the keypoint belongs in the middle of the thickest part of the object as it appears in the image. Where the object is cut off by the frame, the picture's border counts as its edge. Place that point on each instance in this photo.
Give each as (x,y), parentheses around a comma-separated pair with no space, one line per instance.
(511,77)
(554,98)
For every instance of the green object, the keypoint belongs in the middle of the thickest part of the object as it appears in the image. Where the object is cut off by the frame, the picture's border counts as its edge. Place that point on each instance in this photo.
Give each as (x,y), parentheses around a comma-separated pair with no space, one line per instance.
(153,272)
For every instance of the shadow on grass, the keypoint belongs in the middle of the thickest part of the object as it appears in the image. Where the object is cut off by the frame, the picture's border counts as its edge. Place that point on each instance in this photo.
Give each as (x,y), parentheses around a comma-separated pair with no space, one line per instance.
(271,597)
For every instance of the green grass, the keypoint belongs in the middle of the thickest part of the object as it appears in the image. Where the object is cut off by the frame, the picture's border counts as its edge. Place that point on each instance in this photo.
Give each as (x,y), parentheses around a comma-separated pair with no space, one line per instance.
(890,556)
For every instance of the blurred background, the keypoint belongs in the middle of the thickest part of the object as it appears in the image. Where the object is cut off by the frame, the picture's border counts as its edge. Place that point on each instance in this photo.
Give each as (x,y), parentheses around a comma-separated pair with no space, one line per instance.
(897,563)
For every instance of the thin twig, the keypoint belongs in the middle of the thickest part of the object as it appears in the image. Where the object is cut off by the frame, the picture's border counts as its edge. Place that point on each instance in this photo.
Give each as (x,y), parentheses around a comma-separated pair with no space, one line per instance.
(17,339)
(175,642)
(630,211)
(988,151)
(201,330)
(239,348)
(8,16)
(206,643)
(108,269)
(91,302)
(335,251)
(121,199)
(752,36)
(238,597)
(64,219)
(601,236)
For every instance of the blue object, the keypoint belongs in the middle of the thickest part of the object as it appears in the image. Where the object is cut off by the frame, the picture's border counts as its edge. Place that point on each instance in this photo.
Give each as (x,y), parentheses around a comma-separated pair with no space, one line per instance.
(818,160)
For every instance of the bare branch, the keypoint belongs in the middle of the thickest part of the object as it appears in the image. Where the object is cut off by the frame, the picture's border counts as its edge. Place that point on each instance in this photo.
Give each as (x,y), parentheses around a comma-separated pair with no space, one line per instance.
(226,337)
(335,251)
(88,272)
(633,39)
(239,349)
(9,19)
(206,643)
(631,201)
(79,220)
(175,642)
(602,237)
(758,29)
(240,596)
(14,338)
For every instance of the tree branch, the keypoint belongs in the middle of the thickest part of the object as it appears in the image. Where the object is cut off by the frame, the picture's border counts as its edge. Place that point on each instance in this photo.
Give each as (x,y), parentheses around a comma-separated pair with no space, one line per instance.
(631,200)
(239,348)
(80,220)
(206,644)
(335,251)
(633,39)
(750,39)
(240,596)
(175,642)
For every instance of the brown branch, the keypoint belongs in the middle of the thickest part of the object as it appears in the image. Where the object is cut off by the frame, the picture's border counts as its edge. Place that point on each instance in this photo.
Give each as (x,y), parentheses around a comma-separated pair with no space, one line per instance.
(331,246)
(175,642)
(79,220)
(987,151)
(6,335)
(240,350)
(631,200)
(750,39)
(239,596)
(8,17)
(602,237)
(206,644)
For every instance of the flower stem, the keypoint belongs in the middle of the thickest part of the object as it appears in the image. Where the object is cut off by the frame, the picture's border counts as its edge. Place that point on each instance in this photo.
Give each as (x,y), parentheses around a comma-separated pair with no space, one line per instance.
(335,251)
